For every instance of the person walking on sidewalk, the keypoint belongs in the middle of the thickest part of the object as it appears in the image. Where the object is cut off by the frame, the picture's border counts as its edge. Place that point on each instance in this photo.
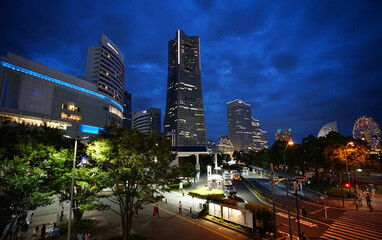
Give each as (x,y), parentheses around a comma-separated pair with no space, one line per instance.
(157,210)
(368,200)
(62,213)
(154,212)
(359,199)
(180,207)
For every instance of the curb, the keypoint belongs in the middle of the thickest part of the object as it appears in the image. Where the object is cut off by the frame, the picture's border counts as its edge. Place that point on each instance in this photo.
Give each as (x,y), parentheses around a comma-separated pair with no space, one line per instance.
(224,225)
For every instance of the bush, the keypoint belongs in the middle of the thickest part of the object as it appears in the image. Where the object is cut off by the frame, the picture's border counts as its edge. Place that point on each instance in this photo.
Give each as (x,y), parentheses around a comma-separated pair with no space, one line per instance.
(205,193)
(336,192)
(175,186)
(80,226)
(262,212)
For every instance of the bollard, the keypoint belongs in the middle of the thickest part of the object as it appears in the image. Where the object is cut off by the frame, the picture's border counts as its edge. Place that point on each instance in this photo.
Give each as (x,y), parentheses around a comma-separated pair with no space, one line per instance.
(166,200)
(190,210)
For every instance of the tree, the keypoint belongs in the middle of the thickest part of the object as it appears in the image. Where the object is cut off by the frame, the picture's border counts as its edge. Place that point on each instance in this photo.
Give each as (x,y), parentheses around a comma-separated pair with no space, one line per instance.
(135,166)
(187,170)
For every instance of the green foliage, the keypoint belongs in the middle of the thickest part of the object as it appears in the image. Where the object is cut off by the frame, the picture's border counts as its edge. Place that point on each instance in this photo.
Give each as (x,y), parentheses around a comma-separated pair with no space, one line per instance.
(187,170)
(134,165)
(175,186)
(206,193)
(262,212)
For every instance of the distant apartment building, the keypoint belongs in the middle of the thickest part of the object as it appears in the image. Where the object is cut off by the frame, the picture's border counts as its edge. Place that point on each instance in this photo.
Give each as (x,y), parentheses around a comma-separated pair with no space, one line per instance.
(147,121)
(127,118)
(184,117)
(243,130)
(284,135)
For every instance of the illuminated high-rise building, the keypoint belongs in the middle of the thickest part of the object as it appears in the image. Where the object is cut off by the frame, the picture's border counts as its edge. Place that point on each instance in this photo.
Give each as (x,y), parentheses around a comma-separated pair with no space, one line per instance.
(105,67)
(184,118)
(147,121)
(127,120)
(283,135)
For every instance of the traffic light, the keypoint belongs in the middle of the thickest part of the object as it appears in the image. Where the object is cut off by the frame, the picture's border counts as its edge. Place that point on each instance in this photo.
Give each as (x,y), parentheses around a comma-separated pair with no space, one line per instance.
(347,185)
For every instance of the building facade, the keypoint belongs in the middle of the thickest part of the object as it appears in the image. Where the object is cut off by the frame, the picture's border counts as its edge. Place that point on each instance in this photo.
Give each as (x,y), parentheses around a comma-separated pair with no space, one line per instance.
(225,146)
(35,94)
(148,121)
(184,117)
(327,128)
(283,135)
(240,125)
(105,67)
(243,130)
(127,118)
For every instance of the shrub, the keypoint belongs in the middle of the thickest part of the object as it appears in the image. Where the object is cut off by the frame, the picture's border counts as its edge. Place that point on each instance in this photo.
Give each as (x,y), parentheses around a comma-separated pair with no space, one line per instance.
(205,193)
(175,186)
(79,226)
(262,212)
(336,192)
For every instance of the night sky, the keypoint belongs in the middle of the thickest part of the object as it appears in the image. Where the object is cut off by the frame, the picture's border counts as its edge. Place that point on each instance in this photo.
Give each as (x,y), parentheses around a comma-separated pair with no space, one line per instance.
(300,64)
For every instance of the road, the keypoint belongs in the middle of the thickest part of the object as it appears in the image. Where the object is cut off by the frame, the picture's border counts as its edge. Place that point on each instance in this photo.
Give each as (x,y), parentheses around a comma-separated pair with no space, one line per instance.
(343,224)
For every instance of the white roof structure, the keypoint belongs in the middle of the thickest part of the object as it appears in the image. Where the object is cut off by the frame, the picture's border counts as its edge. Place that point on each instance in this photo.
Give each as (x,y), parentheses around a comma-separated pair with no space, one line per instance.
(327,128)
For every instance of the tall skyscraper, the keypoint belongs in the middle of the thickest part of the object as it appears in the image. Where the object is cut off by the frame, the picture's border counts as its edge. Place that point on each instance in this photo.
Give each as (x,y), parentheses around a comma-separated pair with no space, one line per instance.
(240,125)
(148,121)
(105,67)
(127,120)
(184,118)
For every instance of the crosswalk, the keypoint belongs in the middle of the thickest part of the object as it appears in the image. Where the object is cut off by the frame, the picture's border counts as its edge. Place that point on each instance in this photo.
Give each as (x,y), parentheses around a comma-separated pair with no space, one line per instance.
(354,225)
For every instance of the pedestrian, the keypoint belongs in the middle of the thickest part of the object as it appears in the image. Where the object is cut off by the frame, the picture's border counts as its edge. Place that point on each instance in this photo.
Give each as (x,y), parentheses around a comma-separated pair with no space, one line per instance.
(157,210)
(302,237)
(9,231)
(29,216)
(87,236)
(368,200)
(62,213)
(36,232)
(24,229)
(180,206)
(80,236)
(154,212)
(359,199)
(373,191)
(43,231)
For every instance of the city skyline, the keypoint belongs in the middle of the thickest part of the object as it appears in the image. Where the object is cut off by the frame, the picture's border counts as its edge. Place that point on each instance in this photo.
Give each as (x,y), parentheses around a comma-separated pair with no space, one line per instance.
(299,64)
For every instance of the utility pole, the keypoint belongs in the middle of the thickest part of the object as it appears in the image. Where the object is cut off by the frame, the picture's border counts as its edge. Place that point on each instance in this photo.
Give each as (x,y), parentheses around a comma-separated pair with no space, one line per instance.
(274,199)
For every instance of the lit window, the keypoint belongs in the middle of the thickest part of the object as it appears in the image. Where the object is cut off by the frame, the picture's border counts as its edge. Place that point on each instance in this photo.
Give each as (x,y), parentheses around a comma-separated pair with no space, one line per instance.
(71,117)
(70,106)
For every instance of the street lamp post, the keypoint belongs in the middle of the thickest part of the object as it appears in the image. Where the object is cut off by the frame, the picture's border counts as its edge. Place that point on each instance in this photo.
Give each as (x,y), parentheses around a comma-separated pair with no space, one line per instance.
(346,161)
(289,143)
(290,224)
(72,186)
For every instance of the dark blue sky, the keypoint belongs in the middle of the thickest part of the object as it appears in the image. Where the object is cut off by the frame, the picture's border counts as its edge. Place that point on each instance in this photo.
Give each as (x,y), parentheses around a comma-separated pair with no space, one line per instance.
(300,64)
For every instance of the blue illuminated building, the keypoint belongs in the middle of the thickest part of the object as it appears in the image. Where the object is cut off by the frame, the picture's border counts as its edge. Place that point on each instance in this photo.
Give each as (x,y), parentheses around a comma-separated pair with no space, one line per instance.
(34,94)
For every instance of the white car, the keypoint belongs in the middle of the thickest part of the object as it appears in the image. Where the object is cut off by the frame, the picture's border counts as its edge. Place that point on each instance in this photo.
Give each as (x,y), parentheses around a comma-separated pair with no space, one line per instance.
(230,190)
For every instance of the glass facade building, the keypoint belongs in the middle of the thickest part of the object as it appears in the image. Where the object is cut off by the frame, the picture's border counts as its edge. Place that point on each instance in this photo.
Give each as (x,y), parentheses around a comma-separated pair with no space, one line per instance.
(184,117)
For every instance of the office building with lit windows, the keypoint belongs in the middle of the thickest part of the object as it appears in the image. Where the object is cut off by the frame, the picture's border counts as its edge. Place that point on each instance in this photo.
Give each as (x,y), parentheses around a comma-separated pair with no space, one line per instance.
(283,135)
(105,67)
(184,117)
(243,130)
(35,94)
(148,121)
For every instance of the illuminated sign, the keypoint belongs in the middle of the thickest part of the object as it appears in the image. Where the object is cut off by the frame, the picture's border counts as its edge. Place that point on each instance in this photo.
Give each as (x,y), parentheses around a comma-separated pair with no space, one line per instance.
(112,48)
(90,129)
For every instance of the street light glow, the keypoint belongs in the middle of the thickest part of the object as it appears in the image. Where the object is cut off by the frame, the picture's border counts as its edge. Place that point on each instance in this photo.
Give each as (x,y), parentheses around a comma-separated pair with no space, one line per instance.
(290,143)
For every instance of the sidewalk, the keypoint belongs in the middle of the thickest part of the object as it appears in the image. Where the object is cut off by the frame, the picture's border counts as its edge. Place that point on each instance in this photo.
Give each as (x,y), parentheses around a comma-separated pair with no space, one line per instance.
(170,224)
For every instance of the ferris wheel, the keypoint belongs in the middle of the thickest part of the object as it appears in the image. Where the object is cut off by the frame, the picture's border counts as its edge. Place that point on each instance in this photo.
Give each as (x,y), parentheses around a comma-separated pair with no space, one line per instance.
(366,128)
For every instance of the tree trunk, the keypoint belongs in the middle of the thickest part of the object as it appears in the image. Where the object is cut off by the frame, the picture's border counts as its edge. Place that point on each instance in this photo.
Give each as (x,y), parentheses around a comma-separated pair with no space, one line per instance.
(77,215)
(127,217)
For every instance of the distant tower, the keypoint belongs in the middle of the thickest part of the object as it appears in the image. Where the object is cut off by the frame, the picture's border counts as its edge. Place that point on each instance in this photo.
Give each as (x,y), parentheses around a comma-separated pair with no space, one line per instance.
(184,118)
(126,123)
(240,125)
(148,121)
(284,135)
(106,68)
(327,128)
